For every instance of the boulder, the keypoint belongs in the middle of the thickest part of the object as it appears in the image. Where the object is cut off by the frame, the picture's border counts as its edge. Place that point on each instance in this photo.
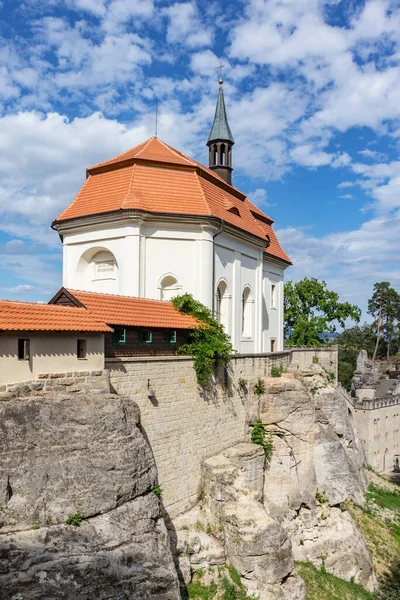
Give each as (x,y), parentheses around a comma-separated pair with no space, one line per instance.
(86,457)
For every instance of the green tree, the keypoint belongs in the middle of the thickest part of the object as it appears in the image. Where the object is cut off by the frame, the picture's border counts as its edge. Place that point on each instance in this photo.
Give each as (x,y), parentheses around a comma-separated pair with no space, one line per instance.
(350,342)
(384,306)
(311,310)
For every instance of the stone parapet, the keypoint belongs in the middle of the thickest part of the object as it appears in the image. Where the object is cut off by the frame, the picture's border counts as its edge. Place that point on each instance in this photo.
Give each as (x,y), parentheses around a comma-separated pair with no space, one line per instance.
(72,382)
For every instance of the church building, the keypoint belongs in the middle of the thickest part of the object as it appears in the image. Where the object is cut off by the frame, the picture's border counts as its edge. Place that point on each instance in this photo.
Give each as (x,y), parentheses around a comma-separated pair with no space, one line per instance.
(154,223)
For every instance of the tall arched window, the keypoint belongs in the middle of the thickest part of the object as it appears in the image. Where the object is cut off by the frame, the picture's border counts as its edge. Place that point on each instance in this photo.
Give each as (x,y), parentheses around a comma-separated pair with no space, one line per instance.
(169,287)
(247,313)
(222,305)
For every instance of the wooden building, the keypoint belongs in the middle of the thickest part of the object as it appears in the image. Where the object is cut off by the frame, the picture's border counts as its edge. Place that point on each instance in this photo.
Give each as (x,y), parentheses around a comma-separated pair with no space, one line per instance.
(139,326)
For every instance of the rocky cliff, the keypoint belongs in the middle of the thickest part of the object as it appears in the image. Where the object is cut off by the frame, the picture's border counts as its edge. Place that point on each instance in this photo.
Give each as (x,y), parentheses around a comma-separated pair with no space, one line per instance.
(261,514)
(81,459)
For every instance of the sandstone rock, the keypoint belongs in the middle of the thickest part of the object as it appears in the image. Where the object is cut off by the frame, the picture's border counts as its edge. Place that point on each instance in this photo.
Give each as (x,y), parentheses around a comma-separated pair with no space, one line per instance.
(61,455)
(116,555)
(70,454)
(331,533)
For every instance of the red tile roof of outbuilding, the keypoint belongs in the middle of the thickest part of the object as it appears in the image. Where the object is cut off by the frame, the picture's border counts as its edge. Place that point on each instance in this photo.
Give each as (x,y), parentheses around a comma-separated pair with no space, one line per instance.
(133,312)
(154,177)
(30,316)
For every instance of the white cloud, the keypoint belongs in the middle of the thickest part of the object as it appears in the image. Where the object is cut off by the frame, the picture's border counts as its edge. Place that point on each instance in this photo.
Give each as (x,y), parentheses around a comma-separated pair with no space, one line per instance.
(259,197)
(350,261)
(185,27)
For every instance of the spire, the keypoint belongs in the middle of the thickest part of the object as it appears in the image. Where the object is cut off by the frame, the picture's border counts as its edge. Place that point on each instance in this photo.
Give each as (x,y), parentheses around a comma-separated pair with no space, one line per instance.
(220,129)
(220,140)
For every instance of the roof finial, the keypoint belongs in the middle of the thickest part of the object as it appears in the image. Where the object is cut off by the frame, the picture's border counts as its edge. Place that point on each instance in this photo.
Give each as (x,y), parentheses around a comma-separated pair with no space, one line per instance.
(221,66)
(156,116)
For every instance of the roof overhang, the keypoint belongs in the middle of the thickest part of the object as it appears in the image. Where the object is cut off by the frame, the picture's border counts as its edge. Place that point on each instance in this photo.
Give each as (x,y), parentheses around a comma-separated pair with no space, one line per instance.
(122,216)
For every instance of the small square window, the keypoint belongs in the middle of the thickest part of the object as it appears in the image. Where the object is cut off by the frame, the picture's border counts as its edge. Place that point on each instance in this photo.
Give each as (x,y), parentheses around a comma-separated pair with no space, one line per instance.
(145,336)
(81,348)
(170,337)
(119,336)
(24,349)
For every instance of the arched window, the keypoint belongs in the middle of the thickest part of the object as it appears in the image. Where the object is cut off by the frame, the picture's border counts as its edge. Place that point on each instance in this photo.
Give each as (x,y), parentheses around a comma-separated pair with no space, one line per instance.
(97,271)
(223,155)
(223,305)
(247,313)
(169,287)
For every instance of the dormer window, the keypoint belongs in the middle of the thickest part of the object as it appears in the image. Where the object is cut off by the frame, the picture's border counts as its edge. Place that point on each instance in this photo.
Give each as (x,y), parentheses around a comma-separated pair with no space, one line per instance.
(234,211)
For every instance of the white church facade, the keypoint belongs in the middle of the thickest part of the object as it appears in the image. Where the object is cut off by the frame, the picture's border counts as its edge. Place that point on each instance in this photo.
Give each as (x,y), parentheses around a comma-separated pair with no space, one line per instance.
(154,223)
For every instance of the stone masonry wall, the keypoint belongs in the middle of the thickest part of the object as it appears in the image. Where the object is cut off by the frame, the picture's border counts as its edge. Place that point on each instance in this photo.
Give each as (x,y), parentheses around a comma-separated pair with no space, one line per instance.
(185,424)
(378,425)
(72,382)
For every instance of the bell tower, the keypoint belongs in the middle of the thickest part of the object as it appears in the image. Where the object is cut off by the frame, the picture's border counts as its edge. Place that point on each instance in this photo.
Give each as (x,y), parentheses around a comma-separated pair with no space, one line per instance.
(220,141)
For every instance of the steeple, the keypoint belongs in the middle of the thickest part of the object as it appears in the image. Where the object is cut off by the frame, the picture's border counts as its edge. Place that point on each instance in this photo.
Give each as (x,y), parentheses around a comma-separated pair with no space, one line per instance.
(220,140)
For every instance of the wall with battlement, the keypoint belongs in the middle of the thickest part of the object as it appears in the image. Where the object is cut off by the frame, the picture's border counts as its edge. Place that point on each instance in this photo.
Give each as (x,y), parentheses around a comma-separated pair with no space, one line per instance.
(378,425)
(185,424)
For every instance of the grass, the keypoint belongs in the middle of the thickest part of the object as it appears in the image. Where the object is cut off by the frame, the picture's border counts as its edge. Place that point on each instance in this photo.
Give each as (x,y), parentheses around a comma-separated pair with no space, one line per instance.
(325,586)
(226,585)
(383,497)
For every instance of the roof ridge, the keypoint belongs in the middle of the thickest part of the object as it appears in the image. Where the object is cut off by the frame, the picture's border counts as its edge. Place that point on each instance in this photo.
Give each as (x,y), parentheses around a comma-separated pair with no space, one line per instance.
(145,144)
(198,179)
(127,195)
(75,199)
(177,152)
(35,304)
(104,162)
(163,302)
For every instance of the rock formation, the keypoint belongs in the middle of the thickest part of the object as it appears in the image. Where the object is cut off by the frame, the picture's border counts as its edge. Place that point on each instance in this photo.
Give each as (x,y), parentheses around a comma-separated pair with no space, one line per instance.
(261,515)
(83,456)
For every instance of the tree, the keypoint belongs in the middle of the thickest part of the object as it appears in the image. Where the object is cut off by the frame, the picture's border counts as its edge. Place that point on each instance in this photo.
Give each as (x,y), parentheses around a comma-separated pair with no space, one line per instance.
(311,310)
(350,342)
(384,306)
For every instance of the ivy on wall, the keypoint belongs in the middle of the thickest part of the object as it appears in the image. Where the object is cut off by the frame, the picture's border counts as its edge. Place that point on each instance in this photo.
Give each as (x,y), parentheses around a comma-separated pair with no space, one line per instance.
(208,343)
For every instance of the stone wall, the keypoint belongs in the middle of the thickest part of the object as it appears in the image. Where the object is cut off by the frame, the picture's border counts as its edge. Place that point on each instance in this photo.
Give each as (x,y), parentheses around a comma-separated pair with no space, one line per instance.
(378,425)
(71,382)
(185,424)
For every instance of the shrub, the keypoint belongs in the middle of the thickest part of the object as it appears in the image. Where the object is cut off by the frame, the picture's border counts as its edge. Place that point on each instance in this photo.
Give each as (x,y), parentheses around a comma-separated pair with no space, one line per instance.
(75,519)
(258,436)
(208,343)
(259,388)
(157,490)
(276,371)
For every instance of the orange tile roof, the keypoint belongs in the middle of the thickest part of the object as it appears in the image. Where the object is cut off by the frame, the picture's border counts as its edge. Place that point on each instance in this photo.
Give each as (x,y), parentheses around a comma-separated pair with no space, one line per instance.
(155,178)
(30,316)
(133,312)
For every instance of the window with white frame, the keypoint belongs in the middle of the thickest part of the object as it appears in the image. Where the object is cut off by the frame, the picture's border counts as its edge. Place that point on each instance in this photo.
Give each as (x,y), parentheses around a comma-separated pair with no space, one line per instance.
(247,313)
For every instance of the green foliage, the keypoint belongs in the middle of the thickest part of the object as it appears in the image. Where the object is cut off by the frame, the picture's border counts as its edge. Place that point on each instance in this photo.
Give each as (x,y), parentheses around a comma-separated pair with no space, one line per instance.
(208,343)
(321,585)
(258,436)
(384,498)
(259,388)
(35,527)
(320,497)
(384,306)
(276,371)
(311,309)
(75,519)
(228,586)
(202,592)
(158,491)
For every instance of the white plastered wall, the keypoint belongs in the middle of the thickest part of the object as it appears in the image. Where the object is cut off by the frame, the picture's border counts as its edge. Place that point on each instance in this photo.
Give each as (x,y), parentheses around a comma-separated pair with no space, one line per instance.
(50,352)
(146,251)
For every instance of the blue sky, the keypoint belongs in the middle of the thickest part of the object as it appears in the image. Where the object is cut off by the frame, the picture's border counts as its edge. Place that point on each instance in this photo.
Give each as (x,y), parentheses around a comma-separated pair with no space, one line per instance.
(313,97)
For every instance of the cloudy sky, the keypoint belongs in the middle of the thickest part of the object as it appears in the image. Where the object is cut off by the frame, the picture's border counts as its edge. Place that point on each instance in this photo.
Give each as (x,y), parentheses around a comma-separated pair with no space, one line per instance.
(313,96)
